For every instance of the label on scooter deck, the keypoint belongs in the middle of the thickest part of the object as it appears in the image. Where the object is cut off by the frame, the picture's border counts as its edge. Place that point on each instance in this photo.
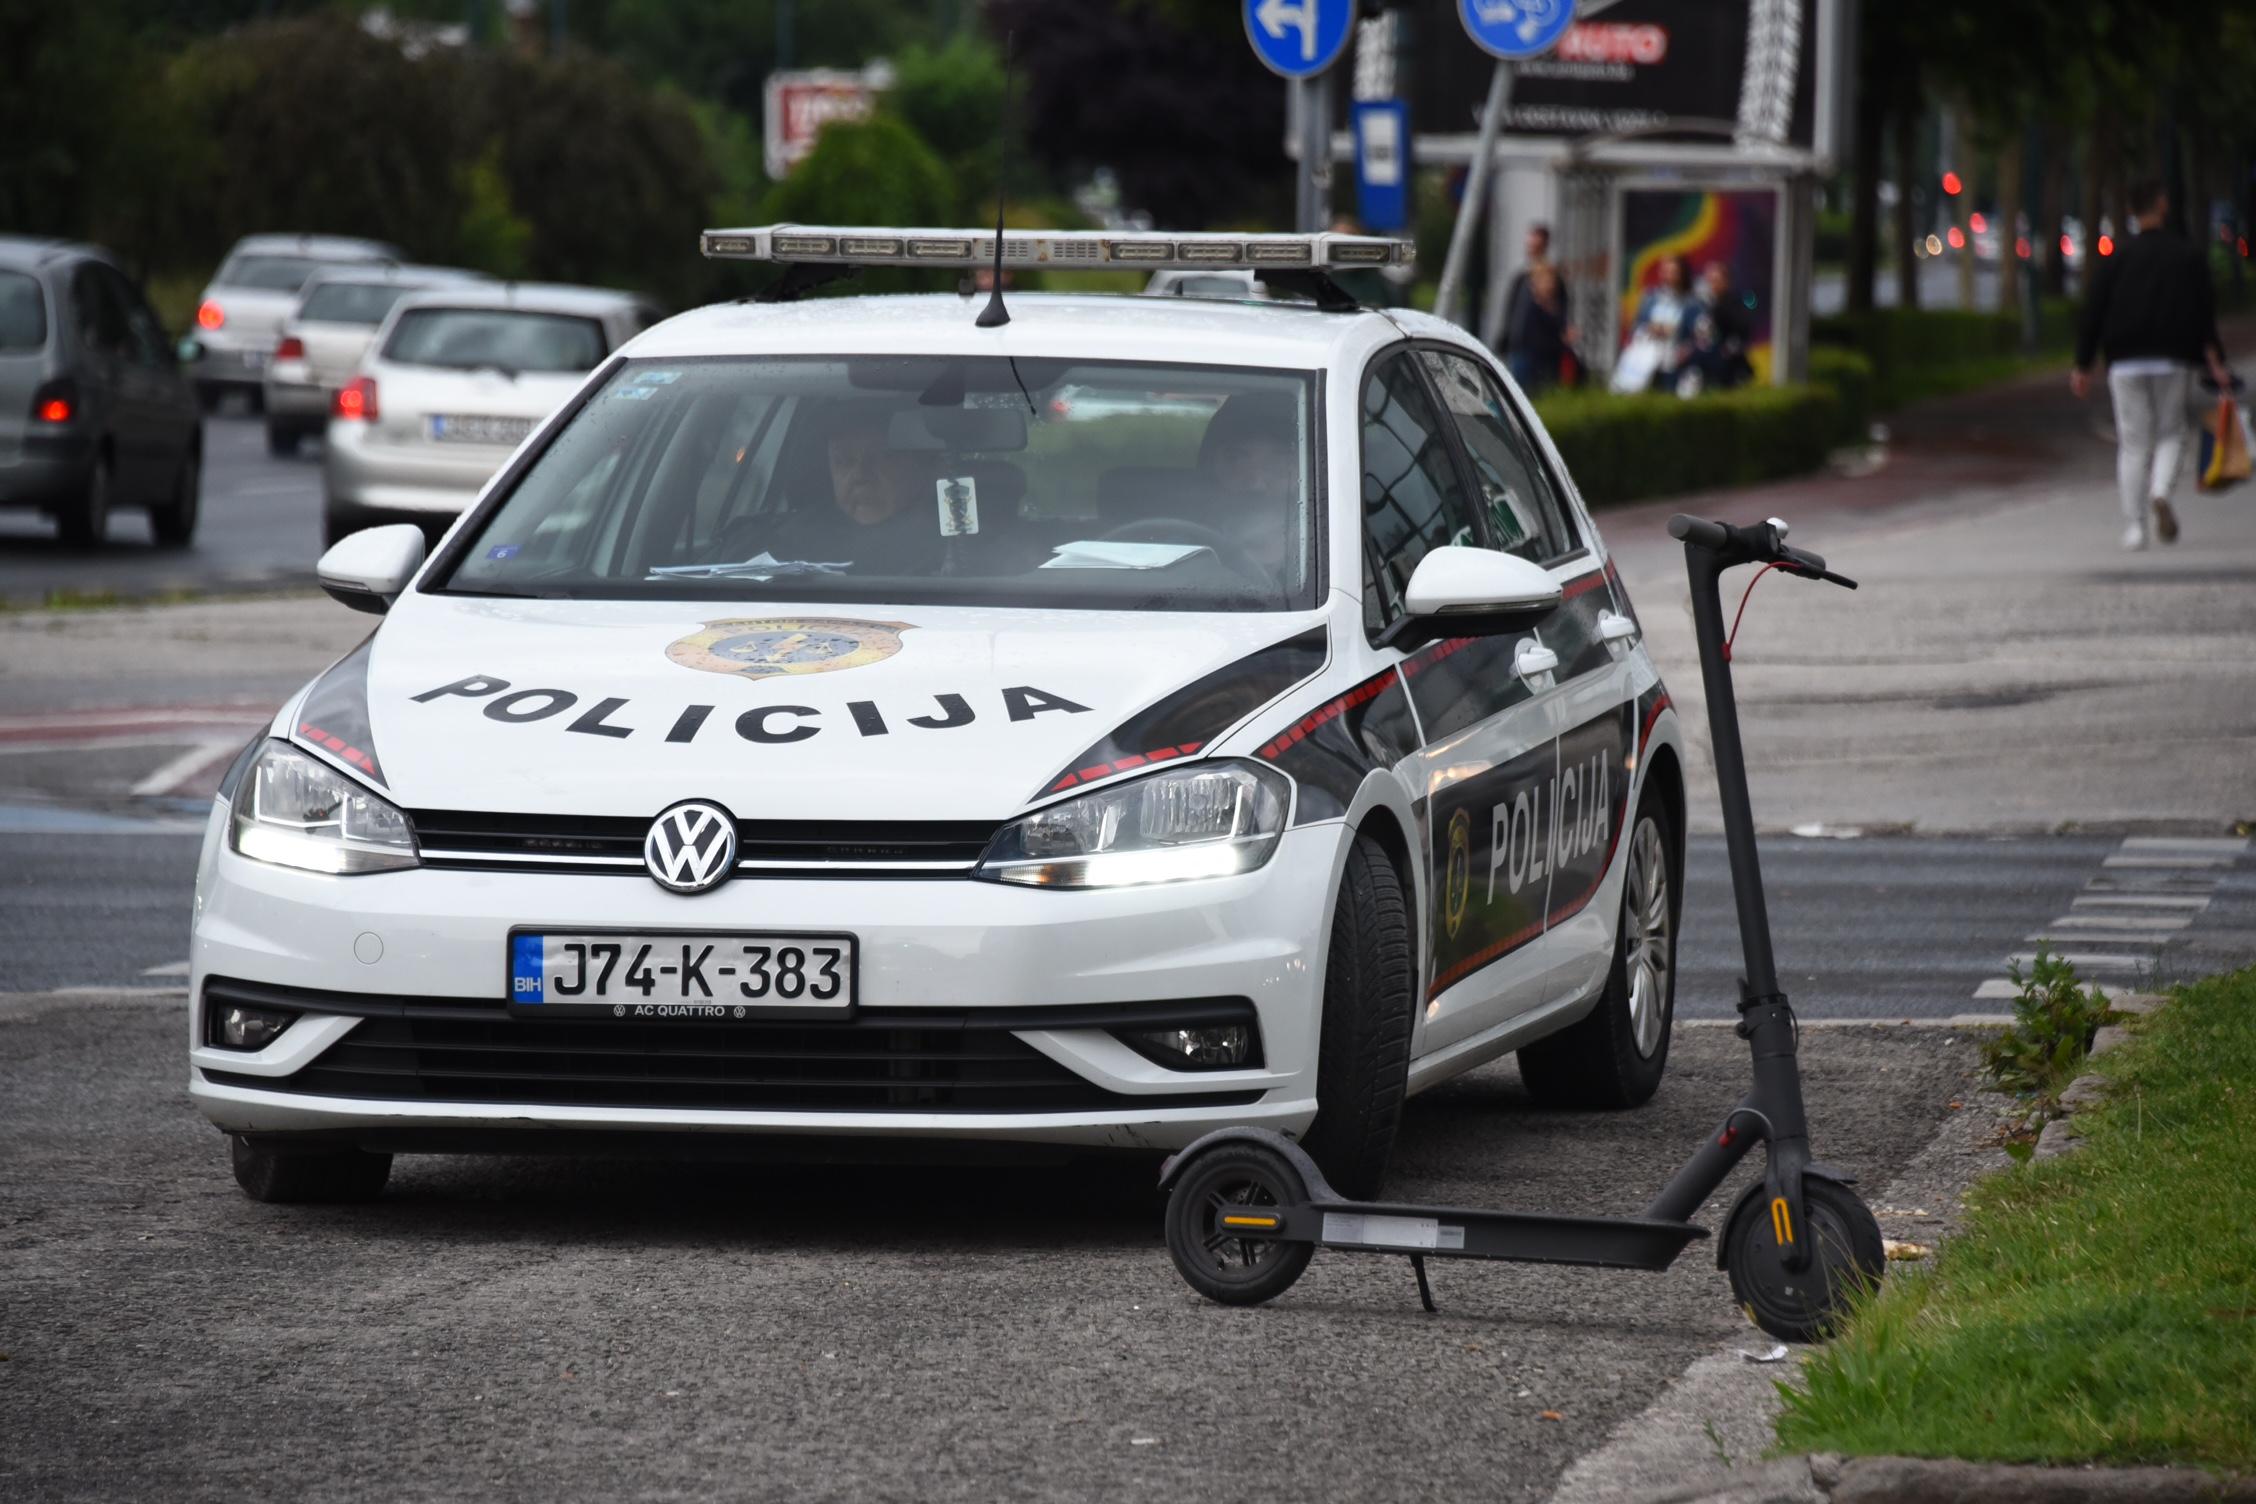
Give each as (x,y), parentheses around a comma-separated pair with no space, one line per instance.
(1365,1230)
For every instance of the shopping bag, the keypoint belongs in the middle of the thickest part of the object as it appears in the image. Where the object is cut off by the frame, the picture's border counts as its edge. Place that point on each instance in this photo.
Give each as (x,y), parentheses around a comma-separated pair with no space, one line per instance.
(2225,445)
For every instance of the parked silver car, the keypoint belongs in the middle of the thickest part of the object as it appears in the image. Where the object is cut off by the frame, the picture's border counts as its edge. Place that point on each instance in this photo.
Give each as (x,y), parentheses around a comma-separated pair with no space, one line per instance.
(321,343)
(94,413)
(455,380)
(252,292)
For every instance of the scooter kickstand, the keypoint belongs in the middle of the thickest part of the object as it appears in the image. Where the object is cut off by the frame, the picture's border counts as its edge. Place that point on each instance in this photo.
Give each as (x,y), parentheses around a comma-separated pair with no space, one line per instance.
(1425,1290)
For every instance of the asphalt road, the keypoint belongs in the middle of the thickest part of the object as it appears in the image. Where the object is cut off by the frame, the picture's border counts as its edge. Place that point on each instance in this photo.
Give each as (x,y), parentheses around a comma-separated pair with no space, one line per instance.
(261,527)
(574,1329)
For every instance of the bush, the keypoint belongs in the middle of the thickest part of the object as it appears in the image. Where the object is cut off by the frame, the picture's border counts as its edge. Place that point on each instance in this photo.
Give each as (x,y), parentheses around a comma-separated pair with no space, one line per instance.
(1627,448)
(1931,352)
(2054,1018)
(1850,376)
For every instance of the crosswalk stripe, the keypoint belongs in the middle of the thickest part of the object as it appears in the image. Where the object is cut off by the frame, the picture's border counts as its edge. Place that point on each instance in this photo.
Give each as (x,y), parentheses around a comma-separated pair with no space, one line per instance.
(1995,988)
(2088,961)
(2130,923)
(2152,859)
(2211,845)
(2139,901)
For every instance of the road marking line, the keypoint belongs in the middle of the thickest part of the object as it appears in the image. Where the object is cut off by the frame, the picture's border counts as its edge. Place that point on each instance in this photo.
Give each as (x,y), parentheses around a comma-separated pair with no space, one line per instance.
(169,969)
(182,769)
(2133,860)
(2129,922)
(2173,882)
(2093,961)
(2216,845)
(1995,988)
(1953,1021)
(2140,901)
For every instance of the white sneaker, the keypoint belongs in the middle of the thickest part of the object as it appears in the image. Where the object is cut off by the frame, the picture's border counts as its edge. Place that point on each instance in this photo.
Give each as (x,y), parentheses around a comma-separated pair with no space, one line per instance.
(2134,537)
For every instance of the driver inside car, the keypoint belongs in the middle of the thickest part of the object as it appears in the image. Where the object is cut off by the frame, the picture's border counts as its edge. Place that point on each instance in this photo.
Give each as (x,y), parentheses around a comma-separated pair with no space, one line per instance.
(855,500)
(1247,462)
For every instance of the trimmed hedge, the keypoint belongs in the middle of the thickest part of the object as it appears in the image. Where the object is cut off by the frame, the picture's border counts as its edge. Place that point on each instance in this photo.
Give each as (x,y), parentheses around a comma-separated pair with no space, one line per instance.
(1851,377)
(1930,352)
(1628,448)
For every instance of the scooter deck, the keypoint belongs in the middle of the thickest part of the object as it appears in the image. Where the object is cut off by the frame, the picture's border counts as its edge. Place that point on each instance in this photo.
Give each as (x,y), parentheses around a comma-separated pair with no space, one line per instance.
(1458,1232)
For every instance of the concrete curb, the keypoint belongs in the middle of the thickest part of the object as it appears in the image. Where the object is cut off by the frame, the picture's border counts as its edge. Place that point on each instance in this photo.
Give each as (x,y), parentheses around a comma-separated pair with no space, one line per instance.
(1826,1479)
(2061,1135)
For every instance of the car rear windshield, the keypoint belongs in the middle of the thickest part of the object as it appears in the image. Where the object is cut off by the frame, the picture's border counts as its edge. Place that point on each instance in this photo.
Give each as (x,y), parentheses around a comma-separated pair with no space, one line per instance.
(269,273)
(23,313)
(1096,485)
(495,339)
(350,302)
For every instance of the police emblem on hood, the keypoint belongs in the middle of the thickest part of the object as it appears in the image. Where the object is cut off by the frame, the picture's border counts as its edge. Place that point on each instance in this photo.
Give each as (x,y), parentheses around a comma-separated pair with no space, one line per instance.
(764,647)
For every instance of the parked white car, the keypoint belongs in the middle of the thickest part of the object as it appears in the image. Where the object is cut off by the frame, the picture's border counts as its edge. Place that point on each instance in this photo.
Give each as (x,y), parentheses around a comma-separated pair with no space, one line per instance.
(453,381)
(816,730)
(250,295)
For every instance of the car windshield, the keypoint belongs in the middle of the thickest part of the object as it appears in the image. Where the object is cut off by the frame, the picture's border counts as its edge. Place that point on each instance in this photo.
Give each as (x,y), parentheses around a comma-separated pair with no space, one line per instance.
(1097,485)
(269,273)
(23,313)
(494,339)
(350,302)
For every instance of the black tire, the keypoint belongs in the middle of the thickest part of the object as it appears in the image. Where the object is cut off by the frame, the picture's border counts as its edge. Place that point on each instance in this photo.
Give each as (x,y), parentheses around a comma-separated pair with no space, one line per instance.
(174,522)
(1848,1260)
(267,1172)
(1363,1054)
(1236,1271)
(210,396)
(282,439)
(1615,1055)
(87,525)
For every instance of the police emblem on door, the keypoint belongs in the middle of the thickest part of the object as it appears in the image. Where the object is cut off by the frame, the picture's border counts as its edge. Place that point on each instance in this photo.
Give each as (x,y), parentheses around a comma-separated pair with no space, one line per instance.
(766,647)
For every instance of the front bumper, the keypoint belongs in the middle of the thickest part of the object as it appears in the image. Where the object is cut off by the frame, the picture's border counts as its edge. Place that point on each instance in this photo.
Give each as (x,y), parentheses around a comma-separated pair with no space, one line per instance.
(936,956)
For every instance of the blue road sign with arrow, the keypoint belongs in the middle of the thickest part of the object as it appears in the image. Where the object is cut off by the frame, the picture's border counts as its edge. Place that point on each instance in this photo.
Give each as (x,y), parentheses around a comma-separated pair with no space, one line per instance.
(1299,38)
(1513,29)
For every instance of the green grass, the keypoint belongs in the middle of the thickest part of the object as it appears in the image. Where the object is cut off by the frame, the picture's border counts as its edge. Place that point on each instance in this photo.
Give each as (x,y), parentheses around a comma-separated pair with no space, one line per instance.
(2100,1307)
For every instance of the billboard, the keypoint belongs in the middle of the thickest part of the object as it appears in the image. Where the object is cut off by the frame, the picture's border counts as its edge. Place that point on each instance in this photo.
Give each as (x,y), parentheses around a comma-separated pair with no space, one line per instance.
(1736,226)
(797,105)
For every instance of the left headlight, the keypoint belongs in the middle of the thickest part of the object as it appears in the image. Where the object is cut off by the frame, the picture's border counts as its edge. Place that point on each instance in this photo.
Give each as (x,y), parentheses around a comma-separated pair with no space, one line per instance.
(296,811)
(1207,820)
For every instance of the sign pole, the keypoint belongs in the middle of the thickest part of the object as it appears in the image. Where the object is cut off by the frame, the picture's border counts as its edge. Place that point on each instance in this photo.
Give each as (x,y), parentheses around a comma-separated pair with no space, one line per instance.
(1313,202)
(1476,195)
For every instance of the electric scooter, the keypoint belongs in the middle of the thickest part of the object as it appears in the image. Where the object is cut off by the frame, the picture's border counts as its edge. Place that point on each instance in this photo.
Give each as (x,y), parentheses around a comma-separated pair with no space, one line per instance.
(1247,1208)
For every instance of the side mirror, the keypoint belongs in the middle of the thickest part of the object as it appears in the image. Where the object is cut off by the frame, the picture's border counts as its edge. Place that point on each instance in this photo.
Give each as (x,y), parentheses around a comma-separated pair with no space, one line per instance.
(1471,592)
(368,569)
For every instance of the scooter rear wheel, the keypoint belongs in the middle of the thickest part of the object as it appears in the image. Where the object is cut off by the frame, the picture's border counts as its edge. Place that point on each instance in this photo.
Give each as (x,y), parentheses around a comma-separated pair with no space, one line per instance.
(1846,1260)
(1220,1265)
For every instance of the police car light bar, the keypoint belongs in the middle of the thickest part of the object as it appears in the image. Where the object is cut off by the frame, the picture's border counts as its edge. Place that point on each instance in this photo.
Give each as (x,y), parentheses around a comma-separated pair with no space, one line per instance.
(833,245)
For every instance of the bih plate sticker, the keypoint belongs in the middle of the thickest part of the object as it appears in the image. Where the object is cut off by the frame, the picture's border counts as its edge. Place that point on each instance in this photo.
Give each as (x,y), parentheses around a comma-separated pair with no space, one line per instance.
(526,970)
(764,647)
(958,497)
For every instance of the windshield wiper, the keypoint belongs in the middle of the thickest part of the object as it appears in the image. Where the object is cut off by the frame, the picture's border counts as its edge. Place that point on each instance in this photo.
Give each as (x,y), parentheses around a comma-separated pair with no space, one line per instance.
(762,567)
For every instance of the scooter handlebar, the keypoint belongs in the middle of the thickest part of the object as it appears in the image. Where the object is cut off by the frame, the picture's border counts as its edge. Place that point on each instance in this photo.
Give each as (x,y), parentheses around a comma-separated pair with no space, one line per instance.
(1758,543)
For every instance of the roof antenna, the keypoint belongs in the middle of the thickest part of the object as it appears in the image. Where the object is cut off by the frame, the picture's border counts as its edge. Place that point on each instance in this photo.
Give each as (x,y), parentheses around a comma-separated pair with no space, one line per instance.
(994,315)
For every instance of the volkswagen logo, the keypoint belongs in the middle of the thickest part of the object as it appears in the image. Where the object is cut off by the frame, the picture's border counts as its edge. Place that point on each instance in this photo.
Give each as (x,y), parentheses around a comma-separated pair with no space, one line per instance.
(691,847)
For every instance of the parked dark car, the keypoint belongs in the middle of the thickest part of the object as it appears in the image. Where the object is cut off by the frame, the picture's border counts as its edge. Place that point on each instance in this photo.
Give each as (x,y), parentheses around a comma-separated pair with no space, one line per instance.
(95,412)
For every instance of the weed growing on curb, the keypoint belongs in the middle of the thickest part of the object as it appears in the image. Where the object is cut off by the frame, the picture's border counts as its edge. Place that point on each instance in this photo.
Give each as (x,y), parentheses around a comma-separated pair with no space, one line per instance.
(2054,1019)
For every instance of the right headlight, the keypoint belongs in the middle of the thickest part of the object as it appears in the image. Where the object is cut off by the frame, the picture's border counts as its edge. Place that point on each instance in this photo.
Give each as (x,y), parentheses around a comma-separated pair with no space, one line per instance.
(1205,820)
(297,811)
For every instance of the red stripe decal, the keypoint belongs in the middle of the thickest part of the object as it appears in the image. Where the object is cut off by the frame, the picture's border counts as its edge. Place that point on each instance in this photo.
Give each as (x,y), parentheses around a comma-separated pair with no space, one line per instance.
(1482,957)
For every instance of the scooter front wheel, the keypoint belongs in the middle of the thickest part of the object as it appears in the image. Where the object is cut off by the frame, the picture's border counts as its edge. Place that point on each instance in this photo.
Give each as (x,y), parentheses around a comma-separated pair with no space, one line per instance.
(1220,1264)
(1846,1259)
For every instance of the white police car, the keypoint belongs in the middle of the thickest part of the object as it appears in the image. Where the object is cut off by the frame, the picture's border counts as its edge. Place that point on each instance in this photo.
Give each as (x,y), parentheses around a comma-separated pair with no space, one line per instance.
(849,718)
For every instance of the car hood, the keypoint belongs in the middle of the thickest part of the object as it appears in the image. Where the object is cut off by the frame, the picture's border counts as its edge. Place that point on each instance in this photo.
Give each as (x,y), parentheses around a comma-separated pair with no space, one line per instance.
(614,708)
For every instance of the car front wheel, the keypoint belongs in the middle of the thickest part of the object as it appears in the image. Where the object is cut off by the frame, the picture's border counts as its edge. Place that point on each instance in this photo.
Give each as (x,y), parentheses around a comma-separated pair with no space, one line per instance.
(1615,1054)
(268,1171)
(1363,1056)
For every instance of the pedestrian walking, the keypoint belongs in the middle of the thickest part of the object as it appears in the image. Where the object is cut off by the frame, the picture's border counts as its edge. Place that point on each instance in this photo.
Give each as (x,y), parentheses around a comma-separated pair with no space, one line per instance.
(2153,315)
(1537,335)
(1538,246)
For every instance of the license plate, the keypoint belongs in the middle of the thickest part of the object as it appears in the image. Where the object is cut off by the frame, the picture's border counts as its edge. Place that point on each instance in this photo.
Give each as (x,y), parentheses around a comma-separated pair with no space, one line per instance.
(471,428)
(684,978)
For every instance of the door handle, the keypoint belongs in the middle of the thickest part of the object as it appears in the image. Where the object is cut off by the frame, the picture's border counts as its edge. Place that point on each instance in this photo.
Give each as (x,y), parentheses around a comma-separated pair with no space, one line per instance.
(1534,660)
(1614,627)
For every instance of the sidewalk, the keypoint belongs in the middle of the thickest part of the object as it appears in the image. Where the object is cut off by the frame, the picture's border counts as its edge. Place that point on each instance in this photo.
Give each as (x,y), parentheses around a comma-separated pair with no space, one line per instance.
(2006,665)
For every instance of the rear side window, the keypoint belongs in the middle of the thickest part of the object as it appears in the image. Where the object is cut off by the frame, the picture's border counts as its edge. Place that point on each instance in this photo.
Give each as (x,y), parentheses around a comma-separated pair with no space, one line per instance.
(268,273)
(1413,498)
(1524,517)
(350,302)
(23,314)
(498,339)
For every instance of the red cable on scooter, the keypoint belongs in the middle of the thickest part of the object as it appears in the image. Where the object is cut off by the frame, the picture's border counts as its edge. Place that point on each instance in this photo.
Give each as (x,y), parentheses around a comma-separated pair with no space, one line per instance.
(1742,611)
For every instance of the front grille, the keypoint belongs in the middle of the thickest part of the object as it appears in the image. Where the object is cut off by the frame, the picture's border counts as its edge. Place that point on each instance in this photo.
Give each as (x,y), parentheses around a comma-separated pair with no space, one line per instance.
(613,843)
(894,1060)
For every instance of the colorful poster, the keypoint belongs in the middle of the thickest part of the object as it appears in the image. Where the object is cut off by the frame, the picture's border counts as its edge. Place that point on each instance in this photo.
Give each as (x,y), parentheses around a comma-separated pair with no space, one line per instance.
(1736,227)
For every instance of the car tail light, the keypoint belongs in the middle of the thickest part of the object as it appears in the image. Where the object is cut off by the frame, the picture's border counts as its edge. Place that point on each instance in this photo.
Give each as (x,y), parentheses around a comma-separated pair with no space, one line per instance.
(291,348)
(210,315)
(55,402)
(356,401)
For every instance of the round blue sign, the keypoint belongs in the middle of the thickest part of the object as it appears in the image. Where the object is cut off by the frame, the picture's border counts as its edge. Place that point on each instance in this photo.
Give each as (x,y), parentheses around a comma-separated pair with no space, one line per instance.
(1298,38)
(1513,29)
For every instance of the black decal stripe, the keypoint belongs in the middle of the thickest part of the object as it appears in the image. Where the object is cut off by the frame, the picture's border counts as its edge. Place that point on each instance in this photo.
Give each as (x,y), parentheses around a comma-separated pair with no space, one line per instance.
(1330,749)
(1182,722)
(1459,682)
(1612,734)
(1484,905)
(334,719)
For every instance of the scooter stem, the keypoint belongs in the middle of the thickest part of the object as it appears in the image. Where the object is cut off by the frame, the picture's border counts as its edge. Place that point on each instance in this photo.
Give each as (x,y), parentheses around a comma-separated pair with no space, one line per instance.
(1731,774)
